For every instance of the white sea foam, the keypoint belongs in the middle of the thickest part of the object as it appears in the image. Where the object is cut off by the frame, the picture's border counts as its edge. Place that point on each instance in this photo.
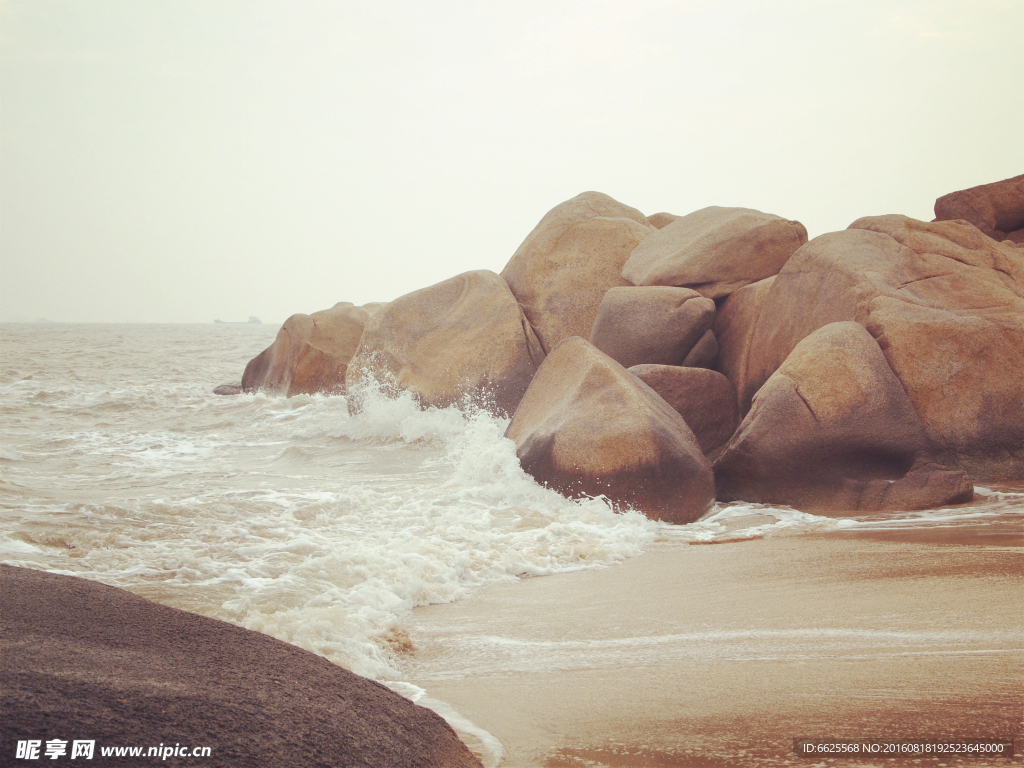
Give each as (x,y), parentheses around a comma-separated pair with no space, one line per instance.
(290,516)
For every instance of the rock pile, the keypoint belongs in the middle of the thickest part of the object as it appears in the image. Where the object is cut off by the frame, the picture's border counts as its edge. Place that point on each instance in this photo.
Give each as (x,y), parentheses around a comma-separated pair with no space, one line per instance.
(996,209)
(310,354)
(669,360)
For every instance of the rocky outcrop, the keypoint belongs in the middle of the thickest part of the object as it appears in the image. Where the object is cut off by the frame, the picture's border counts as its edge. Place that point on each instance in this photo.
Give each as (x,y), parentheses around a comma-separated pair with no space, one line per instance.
(231,388)
(715,251)
(705,399)
(586,426)
(572,257)
(946,305)
(310,354)
(653,324)
(734,327)
(661,220)
(833,431)
(81,660)
(996,209)
(462,341)
(704,353)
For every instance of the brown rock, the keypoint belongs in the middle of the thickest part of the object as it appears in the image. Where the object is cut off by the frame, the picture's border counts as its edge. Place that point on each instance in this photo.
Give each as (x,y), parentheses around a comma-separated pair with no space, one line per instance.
(661,220)
(461,341)
(571,258)
(705,399)
(734,327)
(704,353)
(996,209)
(833,431)
(81,660)
(946,305)
(234,388)
(652,324)
(588,427)
(715,251)
(310,354)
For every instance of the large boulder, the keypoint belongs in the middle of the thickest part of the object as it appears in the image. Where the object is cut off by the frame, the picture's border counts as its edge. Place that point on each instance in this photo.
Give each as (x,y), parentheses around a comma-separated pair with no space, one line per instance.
(587,427)
(705,399)
(570,259)
(833,431)
(310,354)
(462,341)
(996,209)
(734,327)
(81,660)
(661,220)
(704,353)
(715,251)
(946,305)
(653,324)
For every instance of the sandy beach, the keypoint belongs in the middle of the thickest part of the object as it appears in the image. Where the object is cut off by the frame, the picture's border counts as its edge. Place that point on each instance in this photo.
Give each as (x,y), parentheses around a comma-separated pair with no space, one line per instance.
(722,655)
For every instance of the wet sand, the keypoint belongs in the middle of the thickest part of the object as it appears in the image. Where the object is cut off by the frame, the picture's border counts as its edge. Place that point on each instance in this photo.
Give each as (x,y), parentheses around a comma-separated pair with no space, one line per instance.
(722,655)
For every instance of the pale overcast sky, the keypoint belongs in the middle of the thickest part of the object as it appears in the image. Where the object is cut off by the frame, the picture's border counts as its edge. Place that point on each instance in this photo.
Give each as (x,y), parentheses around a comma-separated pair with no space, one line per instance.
(181,160)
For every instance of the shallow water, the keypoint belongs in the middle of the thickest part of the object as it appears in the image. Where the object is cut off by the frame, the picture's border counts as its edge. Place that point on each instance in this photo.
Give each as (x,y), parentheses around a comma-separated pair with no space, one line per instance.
(288,516)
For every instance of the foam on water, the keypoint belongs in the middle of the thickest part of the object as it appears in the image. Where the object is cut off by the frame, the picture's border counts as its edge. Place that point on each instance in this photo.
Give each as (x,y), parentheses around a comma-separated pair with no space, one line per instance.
(469,655)
(289,516)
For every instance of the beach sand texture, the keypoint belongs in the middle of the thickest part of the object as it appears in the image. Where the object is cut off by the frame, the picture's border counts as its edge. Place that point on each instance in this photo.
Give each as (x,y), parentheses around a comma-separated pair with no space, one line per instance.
(720,656)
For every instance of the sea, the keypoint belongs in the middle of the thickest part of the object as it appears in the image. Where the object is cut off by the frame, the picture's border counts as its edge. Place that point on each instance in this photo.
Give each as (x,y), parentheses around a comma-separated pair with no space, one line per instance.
(291,517)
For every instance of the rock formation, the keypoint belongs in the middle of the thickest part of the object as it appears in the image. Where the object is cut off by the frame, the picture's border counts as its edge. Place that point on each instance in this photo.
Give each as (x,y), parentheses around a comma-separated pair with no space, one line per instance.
(464,340)
(734,327)
(572,257)
(653,324)
(714,305)
(310,354)
(996,209)
(586,426)
(833,431)
(946,305)
(232,388)
(661,220)
(81,660)
(715,251)
(705,399)
(704,353)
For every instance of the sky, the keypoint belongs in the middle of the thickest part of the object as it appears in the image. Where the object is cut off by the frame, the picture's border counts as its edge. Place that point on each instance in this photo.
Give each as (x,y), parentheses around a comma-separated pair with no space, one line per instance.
(184,161)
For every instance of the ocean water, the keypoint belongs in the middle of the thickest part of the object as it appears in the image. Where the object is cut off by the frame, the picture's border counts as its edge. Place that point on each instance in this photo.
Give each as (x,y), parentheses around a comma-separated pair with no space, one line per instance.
(288,516)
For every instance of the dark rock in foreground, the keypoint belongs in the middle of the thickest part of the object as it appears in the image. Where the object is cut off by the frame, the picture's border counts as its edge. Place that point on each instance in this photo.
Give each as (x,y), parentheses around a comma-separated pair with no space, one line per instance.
(82,660)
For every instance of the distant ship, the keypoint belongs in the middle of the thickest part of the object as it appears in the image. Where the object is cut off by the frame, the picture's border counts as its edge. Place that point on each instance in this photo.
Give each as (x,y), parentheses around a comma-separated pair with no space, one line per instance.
(252,319)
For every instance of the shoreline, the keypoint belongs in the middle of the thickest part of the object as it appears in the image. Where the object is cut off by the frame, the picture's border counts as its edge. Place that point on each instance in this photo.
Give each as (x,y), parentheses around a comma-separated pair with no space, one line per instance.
(721,656)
